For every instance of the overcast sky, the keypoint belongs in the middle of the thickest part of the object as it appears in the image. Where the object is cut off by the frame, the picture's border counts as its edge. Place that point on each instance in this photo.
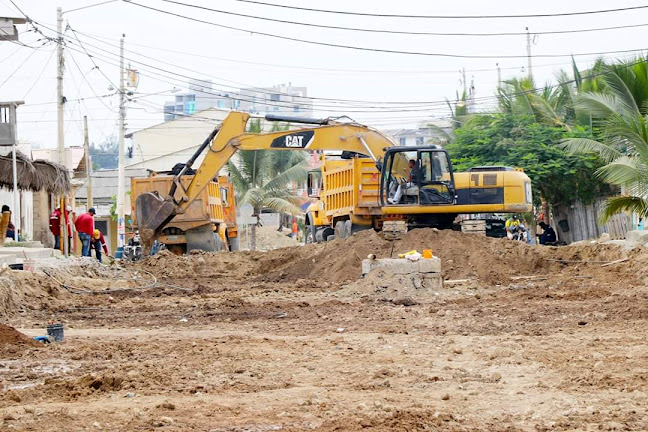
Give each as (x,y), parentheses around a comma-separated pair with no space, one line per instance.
(176,48)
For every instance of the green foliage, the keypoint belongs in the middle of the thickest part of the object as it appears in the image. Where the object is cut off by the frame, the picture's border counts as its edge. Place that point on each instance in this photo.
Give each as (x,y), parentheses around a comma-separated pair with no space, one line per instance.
(620,111)
(520,141)
(106,154)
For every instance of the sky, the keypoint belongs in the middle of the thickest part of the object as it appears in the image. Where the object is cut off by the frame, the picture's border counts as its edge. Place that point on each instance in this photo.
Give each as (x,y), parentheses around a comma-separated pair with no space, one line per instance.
(381,89)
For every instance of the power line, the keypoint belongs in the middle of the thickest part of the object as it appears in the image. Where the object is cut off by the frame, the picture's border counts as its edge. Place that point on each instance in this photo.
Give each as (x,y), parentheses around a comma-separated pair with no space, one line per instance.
(413,103)
(399,32)
(18,68)
(40,74)
(367,14)
(378,50)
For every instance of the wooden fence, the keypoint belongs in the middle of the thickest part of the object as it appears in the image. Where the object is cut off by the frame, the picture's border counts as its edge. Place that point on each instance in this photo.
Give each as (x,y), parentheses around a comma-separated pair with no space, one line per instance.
(584,222)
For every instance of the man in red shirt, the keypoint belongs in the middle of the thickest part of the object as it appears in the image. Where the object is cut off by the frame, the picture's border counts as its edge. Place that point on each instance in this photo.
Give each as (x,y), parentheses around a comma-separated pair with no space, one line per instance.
(55,226)
(85,227)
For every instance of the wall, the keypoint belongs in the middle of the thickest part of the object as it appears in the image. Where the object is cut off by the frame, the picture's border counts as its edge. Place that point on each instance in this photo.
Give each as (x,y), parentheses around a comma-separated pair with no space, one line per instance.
(584,222)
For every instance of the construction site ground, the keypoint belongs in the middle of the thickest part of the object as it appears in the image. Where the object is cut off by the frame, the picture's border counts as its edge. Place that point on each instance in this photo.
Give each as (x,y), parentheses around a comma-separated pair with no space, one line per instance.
(520,338)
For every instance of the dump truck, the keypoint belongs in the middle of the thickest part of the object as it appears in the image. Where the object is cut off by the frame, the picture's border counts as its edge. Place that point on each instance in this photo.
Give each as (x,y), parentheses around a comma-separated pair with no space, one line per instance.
(209,223)
(350,194)
(359,192)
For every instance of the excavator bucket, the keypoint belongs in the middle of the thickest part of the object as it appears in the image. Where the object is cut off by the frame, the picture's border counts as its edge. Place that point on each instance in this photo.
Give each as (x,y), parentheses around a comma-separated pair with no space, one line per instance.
(153,213)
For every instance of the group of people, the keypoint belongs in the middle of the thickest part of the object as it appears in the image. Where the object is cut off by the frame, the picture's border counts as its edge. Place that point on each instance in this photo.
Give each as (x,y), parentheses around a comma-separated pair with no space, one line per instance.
(515,227)
(90,237)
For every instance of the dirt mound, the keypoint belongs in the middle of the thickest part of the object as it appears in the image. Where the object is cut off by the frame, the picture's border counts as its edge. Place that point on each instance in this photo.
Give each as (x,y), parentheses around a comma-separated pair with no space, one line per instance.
(12,341)
(268,238)
(462,256)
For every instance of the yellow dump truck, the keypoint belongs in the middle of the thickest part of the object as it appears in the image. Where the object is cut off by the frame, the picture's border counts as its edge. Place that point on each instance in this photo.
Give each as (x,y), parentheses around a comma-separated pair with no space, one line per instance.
(209,223)
(352,194)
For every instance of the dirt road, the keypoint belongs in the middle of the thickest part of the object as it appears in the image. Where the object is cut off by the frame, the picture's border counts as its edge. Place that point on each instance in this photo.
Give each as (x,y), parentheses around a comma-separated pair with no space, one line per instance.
(273,341)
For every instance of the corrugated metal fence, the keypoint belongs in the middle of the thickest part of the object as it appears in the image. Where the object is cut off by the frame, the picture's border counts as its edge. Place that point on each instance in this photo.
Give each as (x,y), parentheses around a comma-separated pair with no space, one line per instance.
(584,222)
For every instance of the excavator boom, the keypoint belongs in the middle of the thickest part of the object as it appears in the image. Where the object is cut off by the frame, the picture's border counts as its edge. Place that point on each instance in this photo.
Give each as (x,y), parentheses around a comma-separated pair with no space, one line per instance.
(155,211)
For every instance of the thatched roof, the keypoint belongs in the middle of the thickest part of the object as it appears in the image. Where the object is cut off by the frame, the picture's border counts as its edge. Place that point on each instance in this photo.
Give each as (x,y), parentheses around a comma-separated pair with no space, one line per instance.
(34,175)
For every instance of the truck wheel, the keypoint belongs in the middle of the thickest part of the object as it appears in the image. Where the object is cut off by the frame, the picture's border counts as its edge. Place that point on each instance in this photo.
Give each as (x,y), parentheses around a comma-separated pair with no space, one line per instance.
(328,234)
(219,242)
(235,244)
(340,230)
(348,225)
(310,234)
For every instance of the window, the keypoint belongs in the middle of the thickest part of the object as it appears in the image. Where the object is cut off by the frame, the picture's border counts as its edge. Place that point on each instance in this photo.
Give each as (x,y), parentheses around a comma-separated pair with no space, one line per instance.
(275,97)
(402,141)
(296,108)
(420,141)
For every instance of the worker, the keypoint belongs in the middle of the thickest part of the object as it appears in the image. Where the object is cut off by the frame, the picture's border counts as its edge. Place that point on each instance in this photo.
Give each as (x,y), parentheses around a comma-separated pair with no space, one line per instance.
(85,226)
(295,228)
(409,188)
(10,229)
(98,243)
(548,235)
(55,226)
(513,225)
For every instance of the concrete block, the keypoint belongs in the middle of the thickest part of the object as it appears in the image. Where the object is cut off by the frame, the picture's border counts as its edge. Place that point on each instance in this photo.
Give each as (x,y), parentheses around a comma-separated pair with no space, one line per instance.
(7,259)
(637,237)
(29,253)
(401,266)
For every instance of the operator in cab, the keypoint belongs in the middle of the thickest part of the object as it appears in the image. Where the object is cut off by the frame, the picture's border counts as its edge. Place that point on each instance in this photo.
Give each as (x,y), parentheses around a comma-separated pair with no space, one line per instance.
(411,186)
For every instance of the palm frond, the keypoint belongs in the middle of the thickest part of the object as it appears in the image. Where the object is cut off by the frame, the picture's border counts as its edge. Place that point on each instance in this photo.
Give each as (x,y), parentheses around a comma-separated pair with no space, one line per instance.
(281,205)
(622,171)
(586,145)
(295,174)
(620,204)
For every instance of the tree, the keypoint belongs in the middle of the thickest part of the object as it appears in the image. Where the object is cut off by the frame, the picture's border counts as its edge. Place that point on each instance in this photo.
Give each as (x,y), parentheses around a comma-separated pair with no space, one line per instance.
(620,113)
(262,178)
(106,154)
(520,141)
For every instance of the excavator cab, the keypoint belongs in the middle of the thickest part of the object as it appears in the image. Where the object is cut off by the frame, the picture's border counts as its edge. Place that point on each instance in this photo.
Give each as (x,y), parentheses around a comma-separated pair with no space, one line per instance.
(417,176)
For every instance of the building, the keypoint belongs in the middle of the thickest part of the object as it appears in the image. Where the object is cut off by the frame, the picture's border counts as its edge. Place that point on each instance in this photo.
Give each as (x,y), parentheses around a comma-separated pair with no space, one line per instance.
(438,134)
(281,99)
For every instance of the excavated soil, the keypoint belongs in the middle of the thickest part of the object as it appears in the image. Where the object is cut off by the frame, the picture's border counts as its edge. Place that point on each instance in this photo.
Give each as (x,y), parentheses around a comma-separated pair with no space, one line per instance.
(520,338)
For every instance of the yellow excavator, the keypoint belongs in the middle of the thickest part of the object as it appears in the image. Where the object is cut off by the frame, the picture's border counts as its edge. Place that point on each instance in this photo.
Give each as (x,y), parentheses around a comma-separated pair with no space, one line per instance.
(434,200)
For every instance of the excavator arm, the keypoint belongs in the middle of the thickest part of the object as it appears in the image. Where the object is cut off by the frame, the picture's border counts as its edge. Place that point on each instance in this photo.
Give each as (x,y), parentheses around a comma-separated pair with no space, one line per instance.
(155,211)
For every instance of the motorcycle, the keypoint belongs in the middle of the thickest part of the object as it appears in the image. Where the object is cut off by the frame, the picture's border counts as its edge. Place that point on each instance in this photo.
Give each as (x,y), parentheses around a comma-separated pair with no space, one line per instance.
(518,233)
(133,249)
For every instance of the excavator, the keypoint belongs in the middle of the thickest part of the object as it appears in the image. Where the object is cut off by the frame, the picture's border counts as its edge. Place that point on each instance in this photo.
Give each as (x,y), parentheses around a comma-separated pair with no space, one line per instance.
(348,199)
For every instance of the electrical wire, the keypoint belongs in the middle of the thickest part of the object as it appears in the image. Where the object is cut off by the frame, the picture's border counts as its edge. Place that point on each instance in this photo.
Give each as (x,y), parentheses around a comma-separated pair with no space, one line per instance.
(367,14)
(18,68)
(399,32)
(378,50)
(40,74)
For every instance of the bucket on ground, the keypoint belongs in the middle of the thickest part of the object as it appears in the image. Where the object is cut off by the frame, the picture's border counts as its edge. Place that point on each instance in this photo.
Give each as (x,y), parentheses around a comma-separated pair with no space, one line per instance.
(56,331)
(29,265)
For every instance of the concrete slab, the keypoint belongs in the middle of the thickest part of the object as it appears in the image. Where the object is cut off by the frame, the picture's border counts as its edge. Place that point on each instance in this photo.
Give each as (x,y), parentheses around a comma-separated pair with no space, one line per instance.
(8,259)
(637,237)
(402,266)
(29,253)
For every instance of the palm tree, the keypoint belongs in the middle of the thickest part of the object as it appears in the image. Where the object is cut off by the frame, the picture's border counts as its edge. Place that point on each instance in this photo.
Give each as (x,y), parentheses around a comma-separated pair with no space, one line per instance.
(619,111)
(263,179)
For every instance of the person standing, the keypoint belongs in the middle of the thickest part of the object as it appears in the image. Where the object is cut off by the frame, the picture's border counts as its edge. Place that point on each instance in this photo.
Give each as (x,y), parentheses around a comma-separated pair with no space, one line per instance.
(295,228)
(85,227)
(98,243)
(55,226)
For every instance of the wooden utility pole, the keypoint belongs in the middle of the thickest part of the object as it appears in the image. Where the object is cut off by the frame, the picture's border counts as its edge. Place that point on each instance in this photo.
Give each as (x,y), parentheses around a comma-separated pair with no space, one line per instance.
(88,162)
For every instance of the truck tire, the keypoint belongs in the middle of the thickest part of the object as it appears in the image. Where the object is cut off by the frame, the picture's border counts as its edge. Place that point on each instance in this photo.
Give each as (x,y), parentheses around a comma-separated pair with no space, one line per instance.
(235,244)
(348,226)
(340,230)
(310,234)
(328,234)
(219,242)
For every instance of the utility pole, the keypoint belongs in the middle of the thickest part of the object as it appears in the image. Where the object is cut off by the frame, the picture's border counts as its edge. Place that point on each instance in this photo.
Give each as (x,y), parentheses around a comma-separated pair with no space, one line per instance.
(88,162)
(61,129)
(121,225)
(529,53)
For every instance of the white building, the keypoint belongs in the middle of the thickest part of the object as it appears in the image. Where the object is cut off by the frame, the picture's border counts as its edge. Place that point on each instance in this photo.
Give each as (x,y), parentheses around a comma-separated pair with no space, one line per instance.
(438,134)
(283,99)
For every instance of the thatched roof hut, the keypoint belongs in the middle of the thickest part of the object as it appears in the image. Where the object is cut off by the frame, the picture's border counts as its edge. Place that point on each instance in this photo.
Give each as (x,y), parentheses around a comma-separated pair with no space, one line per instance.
(34,175)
